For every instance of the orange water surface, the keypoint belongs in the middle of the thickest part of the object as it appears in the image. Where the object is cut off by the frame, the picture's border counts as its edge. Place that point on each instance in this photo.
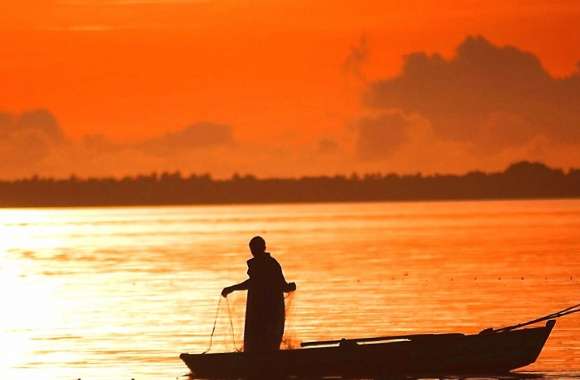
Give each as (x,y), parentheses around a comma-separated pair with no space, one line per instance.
(118,293)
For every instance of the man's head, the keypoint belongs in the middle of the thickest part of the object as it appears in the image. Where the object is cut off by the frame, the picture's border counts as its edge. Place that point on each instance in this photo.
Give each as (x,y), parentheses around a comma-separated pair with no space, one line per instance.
(257,245)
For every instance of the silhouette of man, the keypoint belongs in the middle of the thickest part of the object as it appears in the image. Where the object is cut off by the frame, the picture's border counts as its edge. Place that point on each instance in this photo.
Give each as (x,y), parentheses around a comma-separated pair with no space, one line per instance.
(266,285)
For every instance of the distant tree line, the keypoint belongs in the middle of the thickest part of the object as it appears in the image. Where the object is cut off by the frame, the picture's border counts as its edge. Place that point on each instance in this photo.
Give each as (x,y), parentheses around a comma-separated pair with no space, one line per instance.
(519,181)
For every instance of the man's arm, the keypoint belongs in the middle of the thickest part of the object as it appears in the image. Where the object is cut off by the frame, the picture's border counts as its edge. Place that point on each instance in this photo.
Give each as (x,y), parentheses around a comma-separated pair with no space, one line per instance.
(241,286)
(286,286)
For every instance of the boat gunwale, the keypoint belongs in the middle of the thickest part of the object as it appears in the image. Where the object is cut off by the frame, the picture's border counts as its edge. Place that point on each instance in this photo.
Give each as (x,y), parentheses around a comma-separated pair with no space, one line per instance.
(392,340)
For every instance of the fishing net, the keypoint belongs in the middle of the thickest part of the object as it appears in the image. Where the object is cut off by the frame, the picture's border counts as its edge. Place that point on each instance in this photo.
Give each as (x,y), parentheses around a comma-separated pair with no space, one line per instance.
(290,339)
(223,333)
(227,329)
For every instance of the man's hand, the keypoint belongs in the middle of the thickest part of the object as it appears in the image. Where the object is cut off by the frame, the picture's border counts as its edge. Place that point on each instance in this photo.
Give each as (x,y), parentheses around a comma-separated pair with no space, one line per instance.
(291,286)
(227,290)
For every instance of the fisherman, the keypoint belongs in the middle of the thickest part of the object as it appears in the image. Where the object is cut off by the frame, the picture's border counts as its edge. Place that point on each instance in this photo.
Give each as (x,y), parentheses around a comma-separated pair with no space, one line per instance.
(265,314)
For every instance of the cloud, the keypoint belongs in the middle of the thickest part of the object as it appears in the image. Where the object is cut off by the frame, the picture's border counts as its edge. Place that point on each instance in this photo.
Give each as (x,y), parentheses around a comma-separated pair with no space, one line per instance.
(197,148)
(327,146)
(378,136)
(38,122)
(33,143)
(196,136)
(99,143)
(356,58)
(492,97)
(27,138)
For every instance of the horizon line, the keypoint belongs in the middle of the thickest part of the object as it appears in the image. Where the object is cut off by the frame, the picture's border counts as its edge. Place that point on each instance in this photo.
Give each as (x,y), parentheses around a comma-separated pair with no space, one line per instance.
(238,175)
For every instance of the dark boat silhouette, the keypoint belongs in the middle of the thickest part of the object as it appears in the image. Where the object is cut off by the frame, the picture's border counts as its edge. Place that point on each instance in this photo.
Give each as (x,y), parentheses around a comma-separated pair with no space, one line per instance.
(489,352)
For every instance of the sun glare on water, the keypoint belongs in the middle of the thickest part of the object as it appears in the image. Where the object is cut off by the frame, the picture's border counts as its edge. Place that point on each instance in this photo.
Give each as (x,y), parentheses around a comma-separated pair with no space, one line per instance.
(29,303)
(27,306)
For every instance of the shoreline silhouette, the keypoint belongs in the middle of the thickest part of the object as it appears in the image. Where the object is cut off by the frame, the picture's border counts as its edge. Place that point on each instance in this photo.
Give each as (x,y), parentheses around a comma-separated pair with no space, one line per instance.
(521,180)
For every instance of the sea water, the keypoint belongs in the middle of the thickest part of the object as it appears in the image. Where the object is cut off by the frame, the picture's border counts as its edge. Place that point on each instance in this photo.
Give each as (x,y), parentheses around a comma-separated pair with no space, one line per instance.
(119,293)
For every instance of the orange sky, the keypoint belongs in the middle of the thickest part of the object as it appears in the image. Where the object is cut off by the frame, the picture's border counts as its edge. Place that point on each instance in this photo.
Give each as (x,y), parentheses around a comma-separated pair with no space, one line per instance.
(278,73)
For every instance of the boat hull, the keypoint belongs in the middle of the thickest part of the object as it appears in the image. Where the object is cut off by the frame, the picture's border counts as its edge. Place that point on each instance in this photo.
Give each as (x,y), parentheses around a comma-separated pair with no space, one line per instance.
(422,355)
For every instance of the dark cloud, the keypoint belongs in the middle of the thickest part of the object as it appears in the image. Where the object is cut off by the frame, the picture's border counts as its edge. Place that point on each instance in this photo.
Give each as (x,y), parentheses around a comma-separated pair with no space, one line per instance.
(196,136)
(378,136)
(490,96)
(26,139)
(38,122)
(42,122)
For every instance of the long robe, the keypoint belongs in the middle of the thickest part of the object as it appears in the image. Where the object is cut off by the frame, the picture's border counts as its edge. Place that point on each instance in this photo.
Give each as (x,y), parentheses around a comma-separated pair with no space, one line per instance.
(265,314)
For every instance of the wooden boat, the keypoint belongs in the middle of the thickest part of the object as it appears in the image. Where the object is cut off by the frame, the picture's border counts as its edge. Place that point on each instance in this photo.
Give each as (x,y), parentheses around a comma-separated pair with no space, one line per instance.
(489,352)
